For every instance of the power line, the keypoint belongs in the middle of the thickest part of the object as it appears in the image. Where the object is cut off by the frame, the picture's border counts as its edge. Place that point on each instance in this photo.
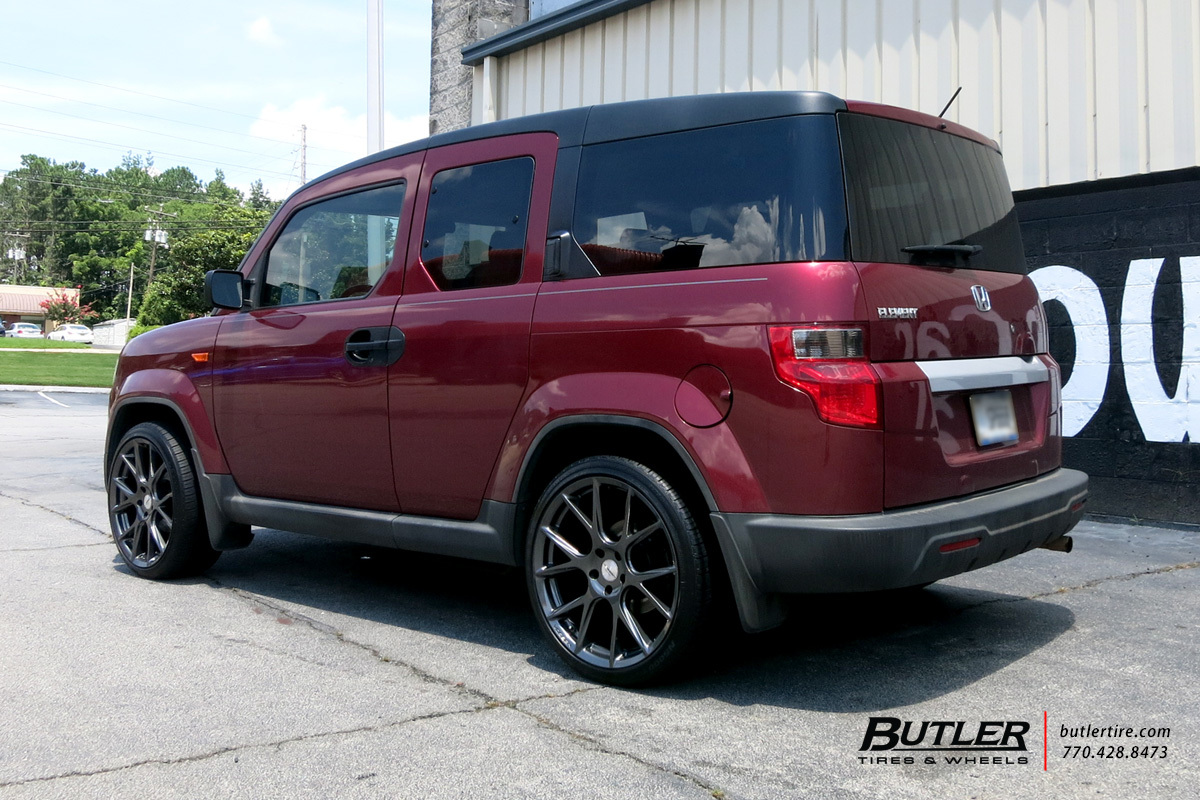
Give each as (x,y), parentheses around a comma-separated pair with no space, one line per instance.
(172,121)
(113,185)
(121,226)
(130,148)
(144,131)
(127,225)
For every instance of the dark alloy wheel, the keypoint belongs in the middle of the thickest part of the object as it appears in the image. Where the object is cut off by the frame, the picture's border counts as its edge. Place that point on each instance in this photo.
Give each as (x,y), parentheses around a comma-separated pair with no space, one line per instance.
(617,571)
(154,506)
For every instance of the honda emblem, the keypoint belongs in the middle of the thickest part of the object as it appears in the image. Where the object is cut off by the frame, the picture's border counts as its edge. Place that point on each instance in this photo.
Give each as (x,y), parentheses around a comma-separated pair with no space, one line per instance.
(982,301)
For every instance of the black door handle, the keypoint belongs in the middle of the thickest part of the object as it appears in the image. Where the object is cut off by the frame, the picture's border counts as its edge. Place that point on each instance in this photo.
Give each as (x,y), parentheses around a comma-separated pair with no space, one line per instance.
(375,347)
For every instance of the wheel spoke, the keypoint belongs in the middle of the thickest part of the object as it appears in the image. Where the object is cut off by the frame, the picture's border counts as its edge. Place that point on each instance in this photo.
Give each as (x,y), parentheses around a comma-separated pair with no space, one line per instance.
(634,628)
(612,640)
(126,502)
(166,522)
(139,536)
(584,518)
(121,486)
(662,609)
(597,513)
(158,473)
(138,465)
(567,608)
(130,467)
(628,513)
(650,574)
(560,542)
(156,537)
(641,535)
(551,570)
(581,631)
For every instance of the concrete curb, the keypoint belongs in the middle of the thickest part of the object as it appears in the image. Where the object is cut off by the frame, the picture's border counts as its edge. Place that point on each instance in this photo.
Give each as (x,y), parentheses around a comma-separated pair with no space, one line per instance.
(56,389)
(112,350)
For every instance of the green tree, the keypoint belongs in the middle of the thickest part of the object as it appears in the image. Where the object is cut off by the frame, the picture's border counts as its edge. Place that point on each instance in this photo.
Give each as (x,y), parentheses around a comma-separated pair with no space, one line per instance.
(219,191)
(259,200)
(178,294)
(77,227)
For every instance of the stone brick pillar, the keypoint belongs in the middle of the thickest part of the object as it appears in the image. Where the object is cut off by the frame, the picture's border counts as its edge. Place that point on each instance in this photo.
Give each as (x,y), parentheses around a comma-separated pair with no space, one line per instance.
(456,24)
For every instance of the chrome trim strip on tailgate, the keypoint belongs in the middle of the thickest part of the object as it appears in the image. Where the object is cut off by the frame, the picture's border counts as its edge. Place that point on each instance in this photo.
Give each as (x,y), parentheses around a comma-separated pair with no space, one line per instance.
(968,374)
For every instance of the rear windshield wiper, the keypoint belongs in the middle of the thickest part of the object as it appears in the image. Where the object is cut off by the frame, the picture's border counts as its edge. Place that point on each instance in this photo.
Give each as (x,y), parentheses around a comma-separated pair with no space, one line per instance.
(951,250)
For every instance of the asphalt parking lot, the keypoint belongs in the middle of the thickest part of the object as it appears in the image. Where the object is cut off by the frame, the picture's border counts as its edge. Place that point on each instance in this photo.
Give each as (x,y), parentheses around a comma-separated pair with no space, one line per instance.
(305,668)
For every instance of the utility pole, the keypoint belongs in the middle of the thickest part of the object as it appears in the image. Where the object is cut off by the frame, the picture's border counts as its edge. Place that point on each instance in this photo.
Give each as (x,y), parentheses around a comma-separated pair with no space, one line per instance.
(129,297)
(375,231)
(154,235)
(374,76)
(303,154)
(17,253)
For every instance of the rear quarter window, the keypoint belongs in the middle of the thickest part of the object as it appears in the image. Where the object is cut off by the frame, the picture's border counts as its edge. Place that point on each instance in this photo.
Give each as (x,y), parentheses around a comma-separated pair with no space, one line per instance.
(749,193)
(907,185)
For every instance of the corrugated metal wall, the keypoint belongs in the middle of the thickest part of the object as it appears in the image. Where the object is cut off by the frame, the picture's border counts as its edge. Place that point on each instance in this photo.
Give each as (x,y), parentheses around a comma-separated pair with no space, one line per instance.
(1072,89)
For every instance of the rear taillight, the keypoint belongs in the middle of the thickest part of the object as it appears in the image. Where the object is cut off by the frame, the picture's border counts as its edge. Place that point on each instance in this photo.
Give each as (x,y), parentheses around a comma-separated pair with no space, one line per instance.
(829,365)
(1055,382)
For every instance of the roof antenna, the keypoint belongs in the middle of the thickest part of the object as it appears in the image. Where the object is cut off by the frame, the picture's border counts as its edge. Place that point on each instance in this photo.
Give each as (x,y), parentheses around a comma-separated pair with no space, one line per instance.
(952,99)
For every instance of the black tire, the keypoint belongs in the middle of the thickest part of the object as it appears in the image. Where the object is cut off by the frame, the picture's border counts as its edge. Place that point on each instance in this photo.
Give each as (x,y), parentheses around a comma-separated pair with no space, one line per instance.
(621,588)
(154,506)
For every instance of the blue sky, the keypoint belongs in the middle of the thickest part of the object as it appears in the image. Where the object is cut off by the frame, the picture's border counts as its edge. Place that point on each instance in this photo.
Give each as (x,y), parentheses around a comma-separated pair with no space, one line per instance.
(215,84)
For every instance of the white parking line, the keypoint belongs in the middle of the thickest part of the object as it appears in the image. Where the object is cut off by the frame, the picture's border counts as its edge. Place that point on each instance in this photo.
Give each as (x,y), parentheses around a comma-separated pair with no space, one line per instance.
(45,396)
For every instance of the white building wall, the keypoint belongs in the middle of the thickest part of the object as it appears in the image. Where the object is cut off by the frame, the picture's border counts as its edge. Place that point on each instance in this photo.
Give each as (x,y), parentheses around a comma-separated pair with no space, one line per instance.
(1072,89)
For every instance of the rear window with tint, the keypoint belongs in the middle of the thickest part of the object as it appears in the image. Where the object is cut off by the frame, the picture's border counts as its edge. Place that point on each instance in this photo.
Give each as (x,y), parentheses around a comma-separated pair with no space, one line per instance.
(749,193)
(907,185)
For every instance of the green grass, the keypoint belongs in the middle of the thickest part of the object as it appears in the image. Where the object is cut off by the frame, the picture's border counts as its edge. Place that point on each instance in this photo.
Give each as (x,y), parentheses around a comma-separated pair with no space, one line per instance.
(57,369)
(9,343)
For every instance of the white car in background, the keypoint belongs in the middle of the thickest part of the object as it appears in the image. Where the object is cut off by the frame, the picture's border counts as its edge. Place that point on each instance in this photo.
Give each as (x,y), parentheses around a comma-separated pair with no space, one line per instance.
(24,330)
(72,333)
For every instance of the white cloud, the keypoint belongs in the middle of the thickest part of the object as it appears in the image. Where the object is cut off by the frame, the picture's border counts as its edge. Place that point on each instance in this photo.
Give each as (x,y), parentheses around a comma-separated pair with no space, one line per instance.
(333,135)
(261,31)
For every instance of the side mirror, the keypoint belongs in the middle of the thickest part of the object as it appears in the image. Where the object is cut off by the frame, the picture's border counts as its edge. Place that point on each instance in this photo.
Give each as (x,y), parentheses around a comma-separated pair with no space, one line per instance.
(223,288)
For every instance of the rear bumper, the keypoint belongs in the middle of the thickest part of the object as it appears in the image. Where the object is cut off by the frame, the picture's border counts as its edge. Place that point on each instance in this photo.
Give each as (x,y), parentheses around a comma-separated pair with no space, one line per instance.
(868,552)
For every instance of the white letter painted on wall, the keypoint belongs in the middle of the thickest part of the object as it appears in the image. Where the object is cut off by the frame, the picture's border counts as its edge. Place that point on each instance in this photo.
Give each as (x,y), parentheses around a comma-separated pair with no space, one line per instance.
(1163,419)
(1082,394)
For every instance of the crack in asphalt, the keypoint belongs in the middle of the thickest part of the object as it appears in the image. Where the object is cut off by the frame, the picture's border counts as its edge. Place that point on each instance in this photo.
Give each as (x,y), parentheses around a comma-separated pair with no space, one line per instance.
(56,513)
(1129,576)
(329,630)
(275,651)
(1092,584)
(484,703)
(488,701)
(278,743)
(595,744)
(54,547)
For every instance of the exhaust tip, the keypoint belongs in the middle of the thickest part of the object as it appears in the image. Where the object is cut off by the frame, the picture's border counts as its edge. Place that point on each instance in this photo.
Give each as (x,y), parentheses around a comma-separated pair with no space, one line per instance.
(1063,544)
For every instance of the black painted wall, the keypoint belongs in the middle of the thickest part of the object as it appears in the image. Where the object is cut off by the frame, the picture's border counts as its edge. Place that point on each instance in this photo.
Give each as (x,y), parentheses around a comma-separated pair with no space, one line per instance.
(1138,241)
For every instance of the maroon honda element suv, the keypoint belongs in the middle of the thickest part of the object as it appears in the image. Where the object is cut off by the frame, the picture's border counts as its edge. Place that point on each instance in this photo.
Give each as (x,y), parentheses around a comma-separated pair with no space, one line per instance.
(657,354)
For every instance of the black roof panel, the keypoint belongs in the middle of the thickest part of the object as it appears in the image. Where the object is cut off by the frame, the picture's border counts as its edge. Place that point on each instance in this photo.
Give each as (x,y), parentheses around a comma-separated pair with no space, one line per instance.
(628,120)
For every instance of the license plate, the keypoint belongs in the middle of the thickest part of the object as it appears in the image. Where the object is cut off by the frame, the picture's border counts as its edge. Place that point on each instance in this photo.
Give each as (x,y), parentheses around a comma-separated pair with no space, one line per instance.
(994,418)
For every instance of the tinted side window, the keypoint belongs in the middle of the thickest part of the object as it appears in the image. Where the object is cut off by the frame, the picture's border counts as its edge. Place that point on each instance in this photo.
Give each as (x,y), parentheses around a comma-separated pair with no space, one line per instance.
(475,225)
(751,193)
(907,185)
(334,249)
